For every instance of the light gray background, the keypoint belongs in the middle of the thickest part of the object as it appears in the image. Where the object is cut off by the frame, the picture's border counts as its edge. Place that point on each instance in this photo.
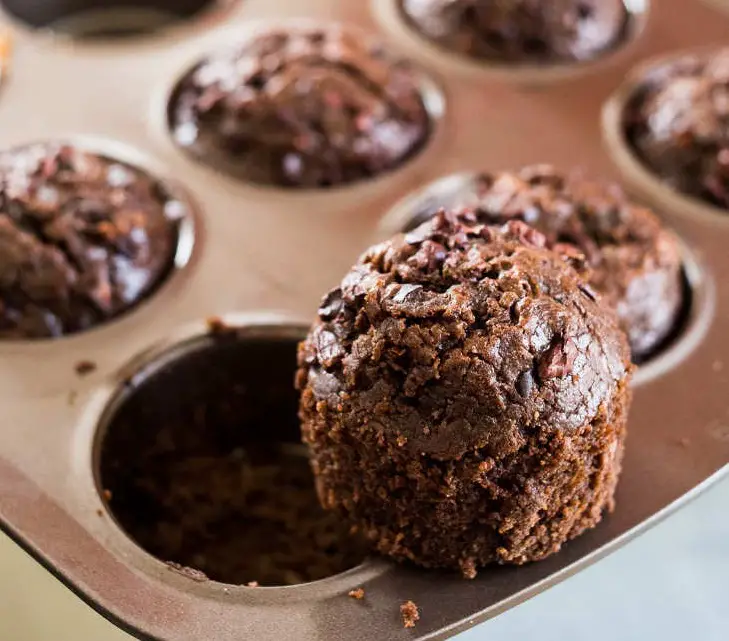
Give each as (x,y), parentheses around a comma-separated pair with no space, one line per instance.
(671,584)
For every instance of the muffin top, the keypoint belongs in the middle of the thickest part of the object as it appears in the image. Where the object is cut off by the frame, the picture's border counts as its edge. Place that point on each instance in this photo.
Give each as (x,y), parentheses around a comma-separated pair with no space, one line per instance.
(678,123)
(459,336)
(82,238)
(307,108)
(635,260)
(520,30)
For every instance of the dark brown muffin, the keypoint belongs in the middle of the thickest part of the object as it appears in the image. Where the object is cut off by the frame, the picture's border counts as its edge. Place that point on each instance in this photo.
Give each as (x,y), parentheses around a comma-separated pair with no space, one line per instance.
(465,397)
(82,239)
(301,108)
(520,30)
(678,124)
(635,260)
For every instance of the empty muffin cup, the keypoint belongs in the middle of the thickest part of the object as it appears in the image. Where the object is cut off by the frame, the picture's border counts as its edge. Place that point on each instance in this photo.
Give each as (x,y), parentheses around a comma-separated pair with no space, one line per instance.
(300,106)
(530,43)
(201,464)
(664,131)
(100,19)
(84,237)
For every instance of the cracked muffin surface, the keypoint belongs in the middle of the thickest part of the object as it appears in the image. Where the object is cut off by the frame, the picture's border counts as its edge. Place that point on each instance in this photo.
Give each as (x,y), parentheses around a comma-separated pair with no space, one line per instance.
(306,108)
(465,395)
(678,124)
(635,260)
(82,239)
(517,31)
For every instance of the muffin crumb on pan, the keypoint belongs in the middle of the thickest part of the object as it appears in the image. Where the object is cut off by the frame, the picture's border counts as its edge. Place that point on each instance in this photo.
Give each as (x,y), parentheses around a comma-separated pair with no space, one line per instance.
(410,614)
(464,397)
(358,594)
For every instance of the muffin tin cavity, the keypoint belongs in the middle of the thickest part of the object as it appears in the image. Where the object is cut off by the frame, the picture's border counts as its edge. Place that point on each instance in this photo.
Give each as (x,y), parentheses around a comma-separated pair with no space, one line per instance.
(84,238)
(303,107)
(201,463)
(97,19)
(654,297)
(539,42)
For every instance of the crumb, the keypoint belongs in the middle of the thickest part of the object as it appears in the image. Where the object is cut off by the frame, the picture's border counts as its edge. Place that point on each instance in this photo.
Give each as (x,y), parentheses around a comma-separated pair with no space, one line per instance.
(226,590)
(85,367)
(190,573)
(99,512)
(252,584)
(410,614)
(357,593)
(72,396)
(217,327)
(468,568)
(684,442)
(106,494)
(5,50)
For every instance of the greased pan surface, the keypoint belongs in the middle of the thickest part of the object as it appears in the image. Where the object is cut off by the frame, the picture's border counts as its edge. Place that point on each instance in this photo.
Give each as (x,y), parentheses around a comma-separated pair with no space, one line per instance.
(251,250)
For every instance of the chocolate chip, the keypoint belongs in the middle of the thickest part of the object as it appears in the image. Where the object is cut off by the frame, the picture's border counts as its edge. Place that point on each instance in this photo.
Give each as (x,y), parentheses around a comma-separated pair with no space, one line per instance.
(84,368)
(558,360)
(525,383)
(404,292)
(331,305)
(528,235)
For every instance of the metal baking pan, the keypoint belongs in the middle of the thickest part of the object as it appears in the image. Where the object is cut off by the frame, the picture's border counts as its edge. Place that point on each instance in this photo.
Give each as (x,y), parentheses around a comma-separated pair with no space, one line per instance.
(261,258)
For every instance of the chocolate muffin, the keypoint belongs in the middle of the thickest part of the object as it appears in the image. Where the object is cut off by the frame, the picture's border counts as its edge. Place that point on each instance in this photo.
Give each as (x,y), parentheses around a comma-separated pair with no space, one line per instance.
(521,31)
(635,260)
(303,108)
(678,124)
(82,239)
(465,396)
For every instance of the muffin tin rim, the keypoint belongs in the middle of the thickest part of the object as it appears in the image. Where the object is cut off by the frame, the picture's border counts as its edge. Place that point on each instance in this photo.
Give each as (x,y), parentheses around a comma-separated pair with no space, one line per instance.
(387,14)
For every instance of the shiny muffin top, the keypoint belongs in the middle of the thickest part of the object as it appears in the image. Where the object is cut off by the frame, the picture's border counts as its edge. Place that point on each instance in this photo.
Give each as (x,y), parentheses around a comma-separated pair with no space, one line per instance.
(459,335)
(678,123)
(82,239)
(307,108)
(520,30)
(635,259)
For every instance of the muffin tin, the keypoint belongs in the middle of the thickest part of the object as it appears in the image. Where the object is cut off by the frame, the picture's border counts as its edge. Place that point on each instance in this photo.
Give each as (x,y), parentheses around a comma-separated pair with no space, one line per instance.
(259,259)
